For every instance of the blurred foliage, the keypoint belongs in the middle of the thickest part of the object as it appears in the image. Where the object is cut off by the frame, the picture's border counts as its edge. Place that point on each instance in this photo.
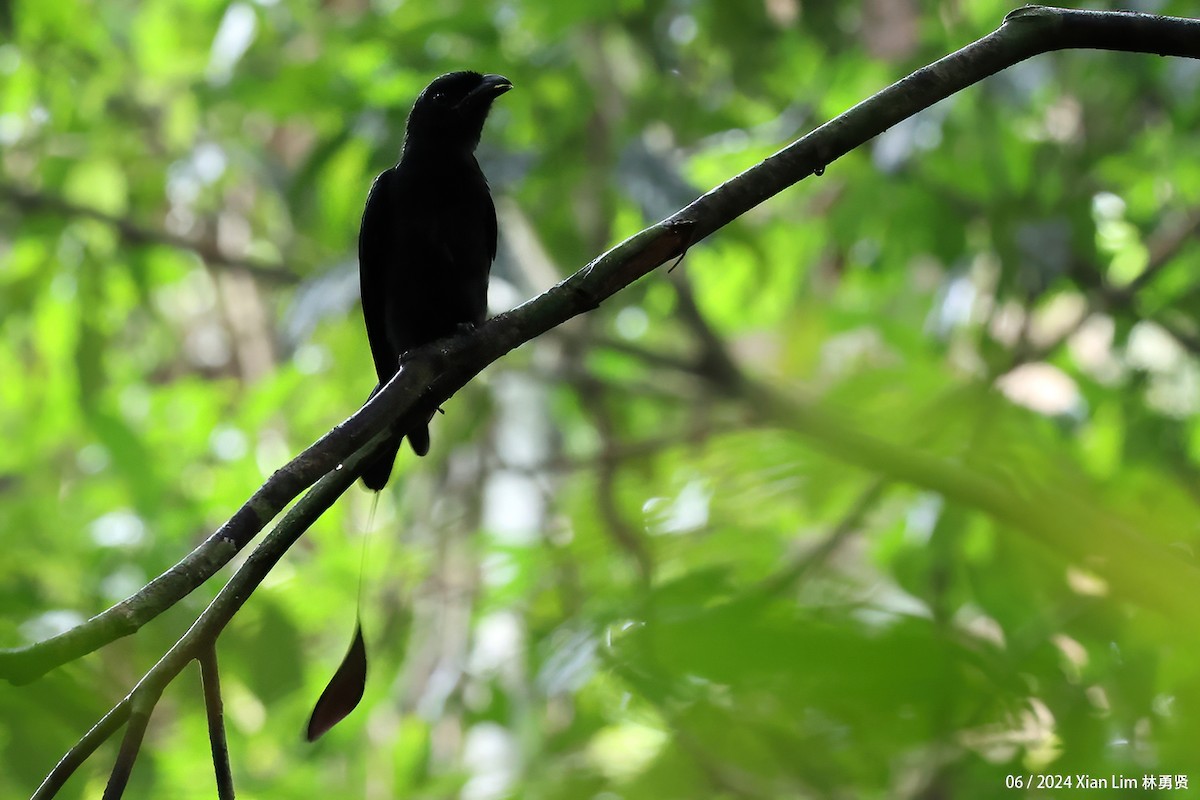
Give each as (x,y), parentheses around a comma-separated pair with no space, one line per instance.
(605,581)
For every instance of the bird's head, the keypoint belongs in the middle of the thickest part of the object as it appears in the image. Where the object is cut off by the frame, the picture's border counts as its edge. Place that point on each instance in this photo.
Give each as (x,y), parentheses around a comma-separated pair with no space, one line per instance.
(450,112)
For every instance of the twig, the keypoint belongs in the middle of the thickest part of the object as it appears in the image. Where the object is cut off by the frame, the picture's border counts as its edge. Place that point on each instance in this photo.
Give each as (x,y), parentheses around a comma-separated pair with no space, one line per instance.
(714,364)
(787,577)
(215,617)
(135,730)
(74,757)
(619,453)
(30,200)
(210,677)
(25,664)
(628,537)
(1163,245)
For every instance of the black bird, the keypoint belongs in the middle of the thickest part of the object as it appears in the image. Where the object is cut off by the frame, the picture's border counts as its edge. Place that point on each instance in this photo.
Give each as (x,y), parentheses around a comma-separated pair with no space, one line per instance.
(425,248)
(428,236)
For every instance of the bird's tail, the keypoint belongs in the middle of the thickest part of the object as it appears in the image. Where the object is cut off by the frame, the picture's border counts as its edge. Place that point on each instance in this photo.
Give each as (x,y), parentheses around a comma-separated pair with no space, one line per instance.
(418,439)
(376,474)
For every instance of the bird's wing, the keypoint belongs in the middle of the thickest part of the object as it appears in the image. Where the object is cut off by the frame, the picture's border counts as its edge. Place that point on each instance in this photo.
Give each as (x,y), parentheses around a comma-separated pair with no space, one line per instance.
(490,221)
(423,262)
(375,243)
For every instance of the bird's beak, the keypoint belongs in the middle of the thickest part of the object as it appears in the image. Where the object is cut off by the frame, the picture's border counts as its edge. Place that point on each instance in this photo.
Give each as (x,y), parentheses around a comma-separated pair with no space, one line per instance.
(491,87)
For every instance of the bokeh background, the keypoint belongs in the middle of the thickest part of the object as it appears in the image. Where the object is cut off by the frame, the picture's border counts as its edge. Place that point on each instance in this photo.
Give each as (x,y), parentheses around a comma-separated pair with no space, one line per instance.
(612,577)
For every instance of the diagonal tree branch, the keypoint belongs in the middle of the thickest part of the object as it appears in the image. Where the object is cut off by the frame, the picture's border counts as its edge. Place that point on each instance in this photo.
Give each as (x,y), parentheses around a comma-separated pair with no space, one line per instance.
(432,374)
(135,708)
(25,664)
(83,749)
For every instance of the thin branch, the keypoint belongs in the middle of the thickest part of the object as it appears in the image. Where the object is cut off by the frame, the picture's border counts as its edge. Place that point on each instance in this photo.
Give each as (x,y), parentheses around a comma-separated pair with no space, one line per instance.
(653,359)
(210,677)
(29,200)
(851,521)
(629,450)
(25,664)
(628,537)
(714,364)
(82,750)
(216,616)
(131,745)
(1163,244)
